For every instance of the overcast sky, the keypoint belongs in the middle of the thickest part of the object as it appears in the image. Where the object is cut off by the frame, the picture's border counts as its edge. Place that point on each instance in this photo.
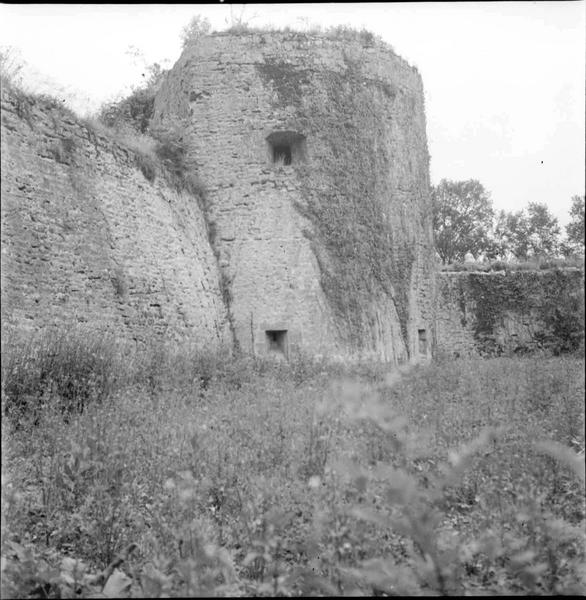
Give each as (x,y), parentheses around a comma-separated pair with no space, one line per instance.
(504,82)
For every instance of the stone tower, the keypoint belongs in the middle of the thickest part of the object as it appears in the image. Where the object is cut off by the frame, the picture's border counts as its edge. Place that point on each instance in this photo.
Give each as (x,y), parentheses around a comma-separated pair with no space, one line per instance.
(313,153)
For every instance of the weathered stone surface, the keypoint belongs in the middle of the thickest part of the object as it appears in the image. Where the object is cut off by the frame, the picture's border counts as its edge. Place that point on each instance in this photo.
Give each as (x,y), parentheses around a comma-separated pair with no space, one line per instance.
(86,238)
(328,251)
(335,248)
(509,312)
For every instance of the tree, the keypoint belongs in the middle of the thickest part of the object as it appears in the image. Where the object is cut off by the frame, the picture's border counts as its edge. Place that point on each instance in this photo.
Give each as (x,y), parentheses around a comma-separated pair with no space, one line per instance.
(533,231)
(544,230)
(516,235)
(575,228)
(500,241)
(462,219)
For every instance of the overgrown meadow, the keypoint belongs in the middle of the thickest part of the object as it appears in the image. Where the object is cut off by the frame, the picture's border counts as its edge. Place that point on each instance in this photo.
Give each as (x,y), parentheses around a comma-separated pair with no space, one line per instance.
(160,473)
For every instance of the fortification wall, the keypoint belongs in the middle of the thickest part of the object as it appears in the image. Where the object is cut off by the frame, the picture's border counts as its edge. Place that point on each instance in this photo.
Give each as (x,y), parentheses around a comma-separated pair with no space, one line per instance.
(509,312)
(86,238)
(335,248)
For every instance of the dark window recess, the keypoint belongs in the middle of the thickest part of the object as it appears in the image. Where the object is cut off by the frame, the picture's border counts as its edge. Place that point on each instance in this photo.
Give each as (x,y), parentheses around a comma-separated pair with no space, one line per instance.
(277,341)
(286,147)
(282,154)
(422,335)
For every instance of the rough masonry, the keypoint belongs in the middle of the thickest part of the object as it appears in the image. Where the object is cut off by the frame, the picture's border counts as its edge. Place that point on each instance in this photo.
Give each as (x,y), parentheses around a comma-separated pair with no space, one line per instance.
(314,154)
(86,238)
(509,312)
(314,233)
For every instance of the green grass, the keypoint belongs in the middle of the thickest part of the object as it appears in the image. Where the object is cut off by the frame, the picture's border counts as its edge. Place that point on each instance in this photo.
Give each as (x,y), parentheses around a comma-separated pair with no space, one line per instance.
(241,477)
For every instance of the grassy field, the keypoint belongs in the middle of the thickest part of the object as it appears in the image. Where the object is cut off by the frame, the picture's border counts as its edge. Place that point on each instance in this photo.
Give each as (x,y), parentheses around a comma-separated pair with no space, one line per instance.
(243,477)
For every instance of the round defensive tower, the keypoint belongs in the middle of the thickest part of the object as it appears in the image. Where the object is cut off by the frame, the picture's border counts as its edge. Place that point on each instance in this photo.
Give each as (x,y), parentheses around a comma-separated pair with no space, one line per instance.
(314,157)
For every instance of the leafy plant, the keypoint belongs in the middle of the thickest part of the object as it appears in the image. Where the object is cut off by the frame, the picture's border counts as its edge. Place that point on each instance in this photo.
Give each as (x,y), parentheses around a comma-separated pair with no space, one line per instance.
(192,32)
(135,111)
(575,228)
(60,367)
(420,481)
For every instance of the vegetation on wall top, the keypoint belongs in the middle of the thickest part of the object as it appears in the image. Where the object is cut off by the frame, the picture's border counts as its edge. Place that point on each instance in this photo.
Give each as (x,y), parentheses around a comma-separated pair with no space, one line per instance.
(339,32)
(200,26)
(135,111)
(534,264)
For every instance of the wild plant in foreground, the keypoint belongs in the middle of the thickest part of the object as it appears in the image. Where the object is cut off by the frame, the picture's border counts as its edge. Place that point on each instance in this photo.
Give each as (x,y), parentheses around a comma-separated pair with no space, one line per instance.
(393,497)
(68,368)
(352,488)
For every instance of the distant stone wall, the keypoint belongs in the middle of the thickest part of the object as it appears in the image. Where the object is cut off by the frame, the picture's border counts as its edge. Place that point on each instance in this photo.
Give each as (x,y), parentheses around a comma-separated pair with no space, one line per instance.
(509,312)
(86,238)
(329,246)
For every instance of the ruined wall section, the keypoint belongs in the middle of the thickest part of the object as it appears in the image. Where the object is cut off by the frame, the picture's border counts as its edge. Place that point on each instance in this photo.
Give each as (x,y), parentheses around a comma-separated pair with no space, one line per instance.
(509,312)
(86,238)
(336,247)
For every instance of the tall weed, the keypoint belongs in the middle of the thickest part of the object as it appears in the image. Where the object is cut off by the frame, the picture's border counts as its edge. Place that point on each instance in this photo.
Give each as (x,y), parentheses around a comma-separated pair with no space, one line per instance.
(428,481)
(66,368)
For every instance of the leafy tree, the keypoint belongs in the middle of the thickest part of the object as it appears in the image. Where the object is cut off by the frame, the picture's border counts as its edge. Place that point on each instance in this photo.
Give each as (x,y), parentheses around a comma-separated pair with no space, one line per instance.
(575,228)
(533,231)
(462,219)
(502,238)
(516,235)
(544,230)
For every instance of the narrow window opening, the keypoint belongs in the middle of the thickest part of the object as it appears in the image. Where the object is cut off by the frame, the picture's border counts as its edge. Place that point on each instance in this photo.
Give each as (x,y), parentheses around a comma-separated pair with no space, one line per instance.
(282,154)
(286,148)
(277,342)
(422,336)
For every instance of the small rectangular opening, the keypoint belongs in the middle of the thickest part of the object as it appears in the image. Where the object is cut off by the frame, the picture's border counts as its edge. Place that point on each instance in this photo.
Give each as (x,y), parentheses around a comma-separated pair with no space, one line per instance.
(282,154)
(286,148)
(422,336)
(277,341)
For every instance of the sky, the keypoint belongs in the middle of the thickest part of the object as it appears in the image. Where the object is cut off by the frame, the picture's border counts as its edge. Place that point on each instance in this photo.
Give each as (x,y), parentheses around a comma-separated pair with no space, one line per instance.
(504,81)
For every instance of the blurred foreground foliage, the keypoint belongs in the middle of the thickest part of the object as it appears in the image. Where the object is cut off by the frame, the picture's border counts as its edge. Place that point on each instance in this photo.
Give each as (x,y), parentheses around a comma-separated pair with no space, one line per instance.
(198,473)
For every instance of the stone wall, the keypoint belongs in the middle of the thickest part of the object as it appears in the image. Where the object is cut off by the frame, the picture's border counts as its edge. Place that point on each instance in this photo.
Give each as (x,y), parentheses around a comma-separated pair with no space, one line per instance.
(299,250)
(509,312)
(335,248)
(86,238)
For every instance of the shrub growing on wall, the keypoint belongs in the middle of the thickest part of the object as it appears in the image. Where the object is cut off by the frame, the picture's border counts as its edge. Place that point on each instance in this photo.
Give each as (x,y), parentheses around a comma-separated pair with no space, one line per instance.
(196,27)
(136,110)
